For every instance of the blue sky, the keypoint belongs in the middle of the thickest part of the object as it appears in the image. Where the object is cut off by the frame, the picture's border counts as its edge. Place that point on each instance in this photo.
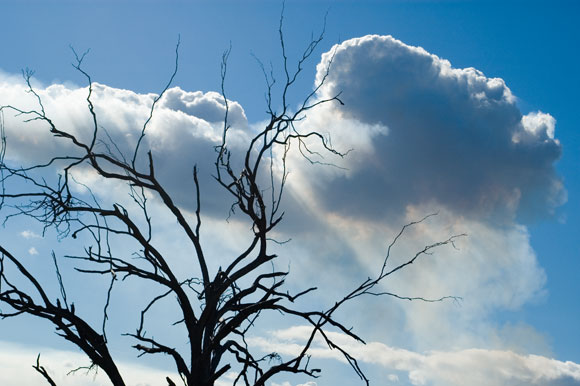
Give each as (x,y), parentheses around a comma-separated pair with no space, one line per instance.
(530,238)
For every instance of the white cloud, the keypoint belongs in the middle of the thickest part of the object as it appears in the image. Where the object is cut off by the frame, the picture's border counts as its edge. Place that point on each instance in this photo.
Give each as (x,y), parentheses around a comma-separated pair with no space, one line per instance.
(16,363)
(28,234)
(540,125)
(493,269)
(32,251)
(474,367)
(184,130)
(208,106)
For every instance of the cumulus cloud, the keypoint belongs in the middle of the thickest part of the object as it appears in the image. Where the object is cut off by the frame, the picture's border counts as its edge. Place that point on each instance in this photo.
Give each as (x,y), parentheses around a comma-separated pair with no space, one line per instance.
(428,137)
(474,367)
(208,106)
(448,134)
(183,132)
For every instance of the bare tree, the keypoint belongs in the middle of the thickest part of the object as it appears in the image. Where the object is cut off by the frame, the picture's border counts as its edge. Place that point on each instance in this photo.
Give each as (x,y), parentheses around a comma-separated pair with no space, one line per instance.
(217,309)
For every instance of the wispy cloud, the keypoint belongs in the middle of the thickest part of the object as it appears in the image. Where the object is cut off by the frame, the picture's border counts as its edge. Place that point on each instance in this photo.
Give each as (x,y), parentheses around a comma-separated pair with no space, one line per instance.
(474,367)
(28,234)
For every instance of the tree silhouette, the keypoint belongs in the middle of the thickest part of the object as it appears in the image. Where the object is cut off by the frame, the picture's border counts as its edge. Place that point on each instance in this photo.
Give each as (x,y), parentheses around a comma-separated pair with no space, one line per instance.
(217,309)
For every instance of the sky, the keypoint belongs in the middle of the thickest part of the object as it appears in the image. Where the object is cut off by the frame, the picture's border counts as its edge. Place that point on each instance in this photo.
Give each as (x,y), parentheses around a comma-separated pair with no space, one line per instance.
(464,108)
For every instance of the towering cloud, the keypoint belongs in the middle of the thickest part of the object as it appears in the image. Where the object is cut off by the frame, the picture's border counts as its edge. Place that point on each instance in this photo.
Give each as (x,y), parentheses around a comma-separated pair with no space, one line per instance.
(427,137)
(434,132)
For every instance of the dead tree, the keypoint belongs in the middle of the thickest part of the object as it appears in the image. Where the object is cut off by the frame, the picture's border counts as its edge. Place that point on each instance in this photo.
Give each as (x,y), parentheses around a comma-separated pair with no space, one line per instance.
(217,309)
